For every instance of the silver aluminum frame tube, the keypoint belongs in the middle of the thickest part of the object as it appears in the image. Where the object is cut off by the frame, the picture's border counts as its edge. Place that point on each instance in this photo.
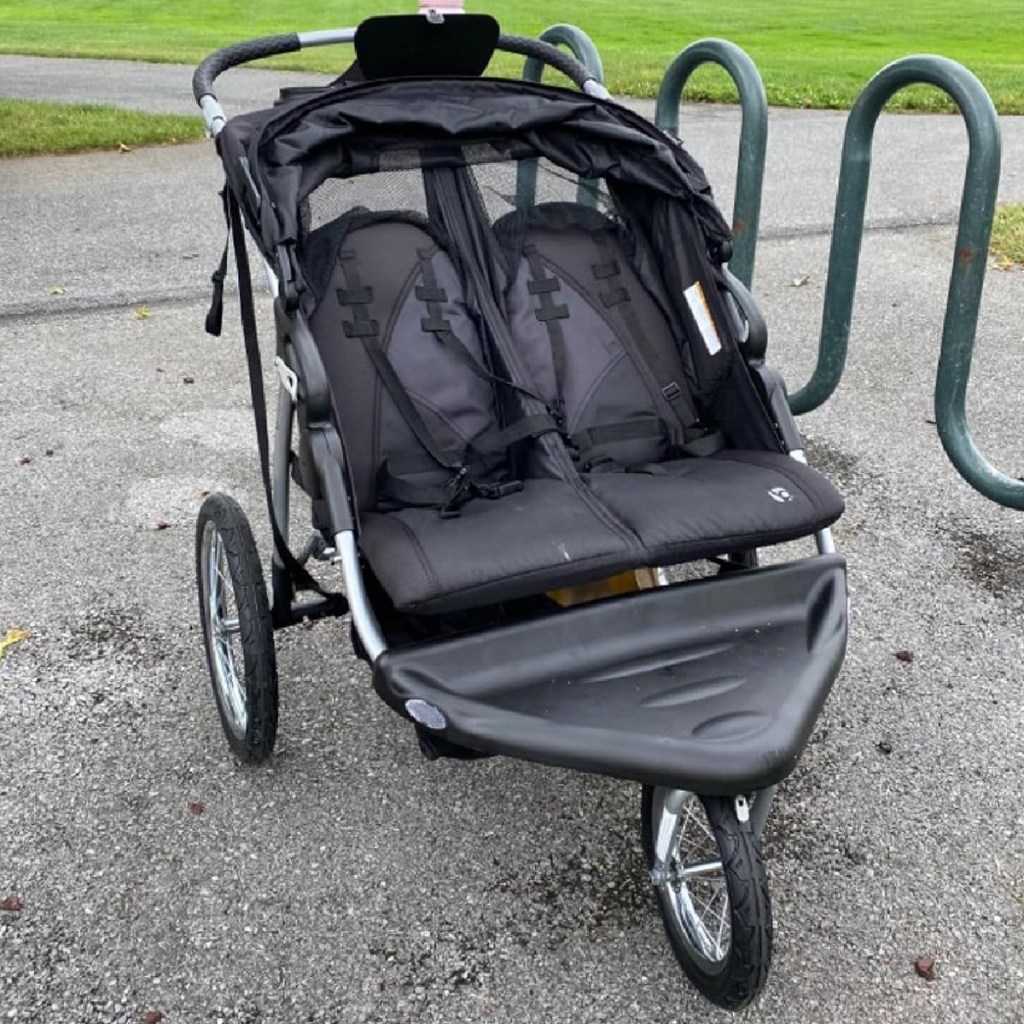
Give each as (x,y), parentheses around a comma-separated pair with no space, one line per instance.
(281,463)
(347,553)
(326,37)
(823,538)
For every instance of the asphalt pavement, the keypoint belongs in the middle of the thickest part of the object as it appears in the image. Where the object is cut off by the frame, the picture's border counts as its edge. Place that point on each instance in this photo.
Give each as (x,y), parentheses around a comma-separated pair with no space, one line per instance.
(350,881)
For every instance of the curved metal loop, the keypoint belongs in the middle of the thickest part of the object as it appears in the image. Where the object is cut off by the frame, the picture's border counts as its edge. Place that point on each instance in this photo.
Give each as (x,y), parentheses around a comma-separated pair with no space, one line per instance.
(977,204)
(577,42)
(584,50)
(746,207)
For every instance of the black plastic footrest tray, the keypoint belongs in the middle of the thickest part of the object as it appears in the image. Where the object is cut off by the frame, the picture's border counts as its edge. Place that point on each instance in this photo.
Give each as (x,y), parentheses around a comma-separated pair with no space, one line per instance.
(712,686)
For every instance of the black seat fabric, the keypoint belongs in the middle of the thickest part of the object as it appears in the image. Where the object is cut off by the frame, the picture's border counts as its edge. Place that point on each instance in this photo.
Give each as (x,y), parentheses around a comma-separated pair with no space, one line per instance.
(597,345)
(544,536)
(547,536)
(384,282)
(694,508)
(628,500)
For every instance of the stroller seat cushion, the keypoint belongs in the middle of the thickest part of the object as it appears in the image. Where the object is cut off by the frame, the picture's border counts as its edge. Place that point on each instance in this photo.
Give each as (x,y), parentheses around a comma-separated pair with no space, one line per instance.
(545,535)
(693,508)
(548,535)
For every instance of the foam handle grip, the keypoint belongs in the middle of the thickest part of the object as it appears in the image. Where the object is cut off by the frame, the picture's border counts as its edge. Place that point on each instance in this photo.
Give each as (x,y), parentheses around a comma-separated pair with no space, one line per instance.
(239,53)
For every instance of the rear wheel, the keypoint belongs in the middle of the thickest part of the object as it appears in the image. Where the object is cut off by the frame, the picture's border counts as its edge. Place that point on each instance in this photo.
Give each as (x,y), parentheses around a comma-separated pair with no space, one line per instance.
(712,891)
(237,628)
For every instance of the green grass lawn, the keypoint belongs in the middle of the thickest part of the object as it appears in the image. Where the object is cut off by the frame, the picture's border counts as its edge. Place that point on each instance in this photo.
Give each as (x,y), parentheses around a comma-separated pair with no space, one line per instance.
(28,128)
(1007,247)
(810,53)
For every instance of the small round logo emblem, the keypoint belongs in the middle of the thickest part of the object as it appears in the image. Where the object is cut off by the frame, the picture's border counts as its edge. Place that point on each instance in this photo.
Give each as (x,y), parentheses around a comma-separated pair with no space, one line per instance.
(780,494)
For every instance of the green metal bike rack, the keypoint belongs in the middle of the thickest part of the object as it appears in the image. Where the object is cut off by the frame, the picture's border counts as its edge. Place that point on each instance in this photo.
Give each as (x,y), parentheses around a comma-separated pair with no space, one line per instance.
(746,208)
(583,49)
(977,204)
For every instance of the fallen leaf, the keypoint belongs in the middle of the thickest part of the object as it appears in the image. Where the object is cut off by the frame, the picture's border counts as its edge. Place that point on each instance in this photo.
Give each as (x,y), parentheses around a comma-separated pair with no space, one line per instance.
(11,637)
(188,380)
(799,282)
(196,807)
(925,967)
(143,313)
(25,460)
(153,1017)
(905,656)
(58,290)
(12,905)
(122,148)
(161,525)
(884,747)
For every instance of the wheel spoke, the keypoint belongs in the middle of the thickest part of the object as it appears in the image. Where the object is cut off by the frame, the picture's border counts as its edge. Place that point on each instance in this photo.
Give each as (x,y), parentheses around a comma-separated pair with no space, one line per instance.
(685,844)
(224,628)
(719,950)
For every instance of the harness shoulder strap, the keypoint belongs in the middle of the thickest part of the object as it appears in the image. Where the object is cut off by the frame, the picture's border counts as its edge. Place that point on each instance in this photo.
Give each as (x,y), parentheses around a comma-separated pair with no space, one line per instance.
(697,439)
(549,314)
(465,466)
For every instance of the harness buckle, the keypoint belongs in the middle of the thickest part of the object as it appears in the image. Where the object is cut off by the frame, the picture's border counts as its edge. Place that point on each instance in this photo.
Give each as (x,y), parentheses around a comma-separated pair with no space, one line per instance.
(460,490)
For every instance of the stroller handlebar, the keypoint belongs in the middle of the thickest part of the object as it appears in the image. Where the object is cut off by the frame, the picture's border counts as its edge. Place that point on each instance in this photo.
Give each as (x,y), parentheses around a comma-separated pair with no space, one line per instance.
(546,53)
(268,46)
(239,53)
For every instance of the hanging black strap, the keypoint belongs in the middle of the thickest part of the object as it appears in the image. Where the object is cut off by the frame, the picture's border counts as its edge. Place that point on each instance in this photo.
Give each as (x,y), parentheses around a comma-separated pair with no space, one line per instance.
(697,439)
(295,570)
(215,314)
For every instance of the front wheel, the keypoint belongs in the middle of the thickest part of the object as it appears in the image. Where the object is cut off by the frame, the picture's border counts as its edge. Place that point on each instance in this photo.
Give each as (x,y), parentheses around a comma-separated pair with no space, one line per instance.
(712,891)
(237,628)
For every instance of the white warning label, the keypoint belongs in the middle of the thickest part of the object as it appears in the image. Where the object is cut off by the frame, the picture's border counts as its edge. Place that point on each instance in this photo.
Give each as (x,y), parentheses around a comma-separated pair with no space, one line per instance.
(705,323)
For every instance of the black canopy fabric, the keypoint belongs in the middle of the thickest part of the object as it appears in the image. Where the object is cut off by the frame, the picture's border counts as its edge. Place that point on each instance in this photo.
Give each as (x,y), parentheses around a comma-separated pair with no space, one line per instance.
(275,158)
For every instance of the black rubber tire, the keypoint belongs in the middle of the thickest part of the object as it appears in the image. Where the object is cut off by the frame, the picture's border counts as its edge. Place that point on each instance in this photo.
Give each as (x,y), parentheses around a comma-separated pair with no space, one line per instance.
(744,970)
(256,629)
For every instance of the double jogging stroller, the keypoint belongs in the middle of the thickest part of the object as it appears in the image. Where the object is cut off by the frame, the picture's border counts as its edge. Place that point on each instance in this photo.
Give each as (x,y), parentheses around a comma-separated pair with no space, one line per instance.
(521,389)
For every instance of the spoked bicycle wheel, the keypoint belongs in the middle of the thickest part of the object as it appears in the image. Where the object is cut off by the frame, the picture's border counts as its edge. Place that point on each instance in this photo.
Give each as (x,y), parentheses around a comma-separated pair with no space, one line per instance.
(237,628)
(712,891)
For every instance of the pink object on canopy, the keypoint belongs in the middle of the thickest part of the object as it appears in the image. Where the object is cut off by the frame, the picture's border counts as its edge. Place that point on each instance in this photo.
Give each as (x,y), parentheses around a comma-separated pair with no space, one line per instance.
(442,6)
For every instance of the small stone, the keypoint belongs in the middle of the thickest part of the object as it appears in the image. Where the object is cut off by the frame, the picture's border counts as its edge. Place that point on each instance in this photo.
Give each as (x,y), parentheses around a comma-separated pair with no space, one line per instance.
(196,807)
(12,905)
(160,524)
(884,747)
(925,967)
(188,380)
(153,1017)
(905,656)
